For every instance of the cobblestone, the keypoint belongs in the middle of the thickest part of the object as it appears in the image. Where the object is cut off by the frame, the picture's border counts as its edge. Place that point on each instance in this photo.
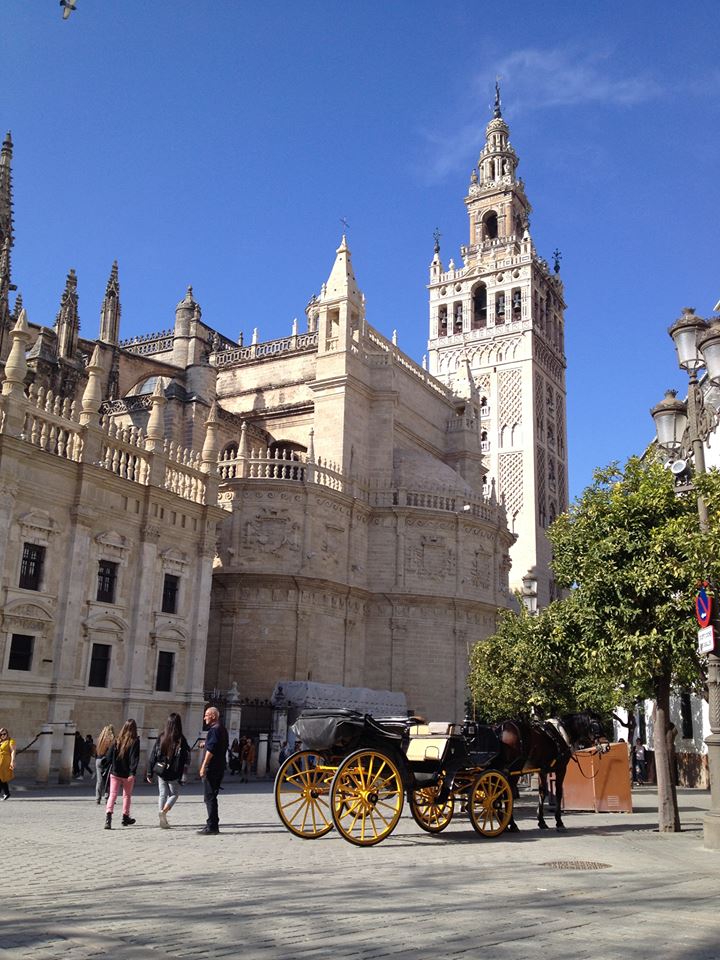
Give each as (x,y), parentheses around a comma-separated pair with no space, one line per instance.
(74,891)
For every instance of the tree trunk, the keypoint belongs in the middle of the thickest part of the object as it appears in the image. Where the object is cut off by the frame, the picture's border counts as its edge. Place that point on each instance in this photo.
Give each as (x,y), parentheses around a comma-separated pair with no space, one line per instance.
(668,813)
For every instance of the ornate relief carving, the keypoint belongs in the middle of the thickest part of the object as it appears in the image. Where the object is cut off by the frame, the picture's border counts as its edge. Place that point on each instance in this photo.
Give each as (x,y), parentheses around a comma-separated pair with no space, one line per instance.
(272,531)
(431,557)
(37,526)
(510,475)
(481,569)
(112,546)
(333,542)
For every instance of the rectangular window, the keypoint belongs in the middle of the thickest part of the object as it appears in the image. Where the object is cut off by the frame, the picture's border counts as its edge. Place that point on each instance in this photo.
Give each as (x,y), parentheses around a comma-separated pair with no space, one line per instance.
(686,716)
(107,579)
(170,593)
(21,652)
(165,668)
(32,566)
(99,665)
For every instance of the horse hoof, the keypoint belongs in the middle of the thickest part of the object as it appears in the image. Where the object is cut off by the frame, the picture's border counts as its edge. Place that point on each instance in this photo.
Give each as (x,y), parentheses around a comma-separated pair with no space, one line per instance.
(542,825)
(512,827)
(561,828)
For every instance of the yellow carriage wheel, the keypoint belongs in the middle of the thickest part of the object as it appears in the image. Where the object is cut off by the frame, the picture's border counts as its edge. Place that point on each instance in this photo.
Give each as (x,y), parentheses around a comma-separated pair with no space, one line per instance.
(491,803)
(302,789)
(366,797)
(427,812)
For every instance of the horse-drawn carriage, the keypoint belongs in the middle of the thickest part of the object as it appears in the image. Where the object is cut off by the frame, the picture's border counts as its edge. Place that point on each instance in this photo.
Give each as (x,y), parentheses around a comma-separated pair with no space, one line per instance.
(355,771)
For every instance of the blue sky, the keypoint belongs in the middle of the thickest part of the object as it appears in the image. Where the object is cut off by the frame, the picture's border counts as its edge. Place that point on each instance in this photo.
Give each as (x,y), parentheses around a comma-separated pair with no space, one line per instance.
(219,144)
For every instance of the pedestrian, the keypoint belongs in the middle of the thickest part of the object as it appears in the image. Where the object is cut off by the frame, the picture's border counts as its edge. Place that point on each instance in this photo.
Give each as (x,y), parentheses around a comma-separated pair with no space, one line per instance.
(245,749)
(251,757)
(7,762)
(78,752)
(639,763)
(168,759)
(212,768)
(234,756)
(284,752)
(102,767)
(124,759)
(88,755)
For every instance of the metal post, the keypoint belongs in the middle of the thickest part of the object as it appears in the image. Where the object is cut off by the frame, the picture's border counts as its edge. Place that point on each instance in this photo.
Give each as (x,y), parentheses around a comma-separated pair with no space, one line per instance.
(711,820)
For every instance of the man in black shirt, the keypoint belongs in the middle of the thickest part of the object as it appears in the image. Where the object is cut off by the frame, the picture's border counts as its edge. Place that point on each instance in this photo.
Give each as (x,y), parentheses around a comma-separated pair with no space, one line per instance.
(212,768)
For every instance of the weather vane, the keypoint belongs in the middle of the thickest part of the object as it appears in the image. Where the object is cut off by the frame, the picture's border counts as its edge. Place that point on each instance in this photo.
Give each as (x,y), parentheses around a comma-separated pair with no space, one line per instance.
(497,112)
(557,257)
(344,222)
(436,238)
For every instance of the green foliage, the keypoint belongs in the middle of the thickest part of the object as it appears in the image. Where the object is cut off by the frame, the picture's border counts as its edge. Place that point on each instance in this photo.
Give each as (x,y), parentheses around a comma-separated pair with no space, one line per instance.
(631,554)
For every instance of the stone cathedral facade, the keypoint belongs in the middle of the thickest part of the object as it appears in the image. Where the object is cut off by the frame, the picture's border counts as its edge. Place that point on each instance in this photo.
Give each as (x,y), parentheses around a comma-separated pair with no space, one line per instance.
(183,512)
(499,316)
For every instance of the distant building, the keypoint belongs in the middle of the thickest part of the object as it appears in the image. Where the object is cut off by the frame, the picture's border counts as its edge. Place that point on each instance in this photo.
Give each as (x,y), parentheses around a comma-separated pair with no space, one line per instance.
(360,541)
(498,320)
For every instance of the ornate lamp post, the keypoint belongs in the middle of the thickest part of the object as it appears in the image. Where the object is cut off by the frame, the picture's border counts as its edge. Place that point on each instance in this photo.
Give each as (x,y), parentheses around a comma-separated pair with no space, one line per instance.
(529,592)
(682,429)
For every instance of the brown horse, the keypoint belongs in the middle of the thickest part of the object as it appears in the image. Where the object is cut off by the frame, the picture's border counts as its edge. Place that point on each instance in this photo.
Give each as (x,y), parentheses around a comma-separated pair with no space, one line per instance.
(544,747)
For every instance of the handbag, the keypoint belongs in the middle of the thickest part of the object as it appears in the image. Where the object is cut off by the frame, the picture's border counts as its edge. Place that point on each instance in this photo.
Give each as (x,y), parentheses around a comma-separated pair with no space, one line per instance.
(161,767)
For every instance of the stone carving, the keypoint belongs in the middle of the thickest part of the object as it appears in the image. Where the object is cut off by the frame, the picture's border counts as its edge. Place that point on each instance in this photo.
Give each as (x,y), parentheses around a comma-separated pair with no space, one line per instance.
(481,570)
(333,542)
(431,557)
(272,531)
(510,476)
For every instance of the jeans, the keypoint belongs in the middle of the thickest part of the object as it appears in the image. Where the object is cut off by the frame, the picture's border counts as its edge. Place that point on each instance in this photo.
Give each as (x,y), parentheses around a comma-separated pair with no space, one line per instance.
(128,784)
(168,792)
(101,780)
(212,782)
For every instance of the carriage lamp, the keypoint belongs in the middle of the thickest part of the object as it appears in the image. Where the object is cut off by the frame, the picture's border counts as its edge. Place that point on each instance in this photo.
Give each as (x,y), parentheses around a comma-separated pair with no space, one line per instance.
(682,430)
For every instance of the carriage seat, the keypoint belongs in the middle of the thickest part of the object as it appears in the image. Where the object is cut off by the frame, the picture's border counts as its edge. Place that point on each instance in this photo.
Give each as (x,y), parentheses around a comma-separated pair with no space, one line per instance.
(428,741)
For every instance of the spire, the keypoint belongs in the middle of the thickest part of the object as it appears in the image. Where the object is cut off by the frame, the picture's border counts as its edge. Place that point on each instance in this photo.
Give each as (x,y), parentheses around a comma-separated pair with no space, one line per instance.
(68,321)
(110,310)
(497,113)
(6,219)
(341,284)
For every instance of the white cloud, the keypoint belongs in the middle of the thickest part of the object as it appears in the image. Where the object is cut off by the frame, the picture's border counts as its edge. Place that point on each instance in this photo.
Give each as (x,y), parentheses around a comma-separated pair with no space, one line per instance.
(536,79)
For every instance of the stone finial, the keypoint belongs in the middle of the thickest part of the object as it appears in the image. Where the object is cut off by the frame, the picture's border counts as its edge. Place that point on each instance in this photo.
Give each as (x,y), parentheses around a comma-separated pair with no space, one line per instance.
(211,445)
(242,450)
(294,326)
(311,446)
(156,422)
(254,336)
(341,284)
(92,394)
(16,365)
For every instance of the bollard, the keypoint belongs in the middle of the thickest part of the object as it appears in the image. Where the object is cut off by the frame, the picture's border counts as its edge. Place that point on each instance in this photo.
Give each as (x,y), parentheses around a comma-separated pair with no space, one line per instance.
(262,755)
(44,754)
(66,756)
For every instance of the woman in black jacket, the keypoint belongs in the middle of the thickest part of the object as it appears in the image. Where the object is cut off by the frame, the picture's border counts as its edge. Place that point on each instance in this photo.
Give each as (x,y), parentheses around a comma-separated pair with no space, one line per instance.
(124,756)
(169,757)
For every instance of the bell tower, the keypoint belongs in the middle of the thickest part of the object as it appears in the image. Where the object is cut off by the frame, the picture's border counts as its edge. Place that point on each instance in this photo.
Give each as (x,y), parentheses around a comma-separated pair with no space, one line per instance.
(502,313)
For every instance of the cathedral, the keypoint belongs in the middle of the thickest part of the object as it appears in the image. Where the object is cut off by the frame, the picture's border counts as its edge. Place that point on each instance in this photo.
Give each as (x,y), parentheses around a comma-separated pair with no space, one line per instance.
(182,513)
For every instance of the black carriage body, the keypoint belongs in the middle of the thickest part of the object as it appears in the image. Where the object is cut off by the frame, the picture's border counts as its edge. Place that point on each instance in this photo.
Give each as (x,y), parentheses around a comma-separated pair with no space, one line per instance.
(423,753)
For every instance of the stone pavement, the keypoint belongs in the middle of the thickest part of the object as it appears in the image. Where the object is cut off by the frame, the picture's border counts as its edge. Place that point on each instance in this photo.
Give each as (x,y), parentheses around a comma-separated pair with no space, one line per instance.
(73,890)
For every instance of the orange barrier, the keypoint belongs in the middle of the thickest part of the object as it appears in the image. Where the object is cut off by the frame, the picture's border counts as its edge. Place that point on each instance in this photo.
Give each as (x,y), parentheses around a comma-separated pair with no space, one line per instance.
(601,783)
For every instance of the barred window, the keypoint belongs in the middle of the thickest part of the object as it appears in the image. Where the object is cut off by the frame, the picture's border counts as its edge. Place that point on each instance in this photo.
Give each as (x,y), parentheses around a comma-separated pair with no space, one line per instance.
(107,580)
(31,568)
(170,593)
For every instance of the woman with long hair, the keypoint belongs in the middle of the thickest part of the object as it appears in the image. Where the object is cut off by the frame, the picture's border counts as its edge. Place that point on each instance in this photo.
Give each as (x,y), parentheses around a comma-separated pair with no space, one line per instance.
(102,749)
(168,759)
(7,762)
(124,756)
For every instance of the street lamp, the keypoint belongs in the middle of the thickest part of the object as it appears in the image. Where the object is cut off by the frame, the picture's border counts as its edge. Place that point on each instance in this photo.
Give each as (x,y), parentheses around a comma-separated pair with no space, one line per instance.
(682,429)
(529,592)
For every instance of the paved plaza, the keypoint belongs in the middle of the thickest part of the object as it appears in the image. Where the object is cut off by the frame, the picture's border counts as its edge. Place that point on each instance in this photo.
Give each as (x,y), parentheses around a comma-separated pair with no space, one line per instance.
(73,890)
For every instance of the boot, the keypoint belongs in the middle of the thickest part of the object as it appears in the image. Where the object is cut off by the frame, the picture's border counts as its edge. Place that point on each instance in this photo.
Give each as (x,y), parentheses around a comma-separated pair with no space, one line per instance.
(127,821)
(108,821)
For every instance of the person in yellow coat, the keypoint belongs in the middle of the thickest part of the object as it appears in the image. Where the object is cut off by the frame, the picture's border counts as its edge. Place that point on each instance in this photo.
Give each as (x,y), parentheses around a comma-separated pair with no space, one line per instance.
(7,762)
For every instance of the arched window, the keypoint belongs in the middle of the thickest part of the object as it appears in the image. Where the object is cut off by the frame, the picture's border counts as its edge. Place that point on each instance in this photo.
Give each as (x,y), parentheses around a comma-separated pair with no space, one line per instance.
(490,222)
(290,459)
(479,319)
